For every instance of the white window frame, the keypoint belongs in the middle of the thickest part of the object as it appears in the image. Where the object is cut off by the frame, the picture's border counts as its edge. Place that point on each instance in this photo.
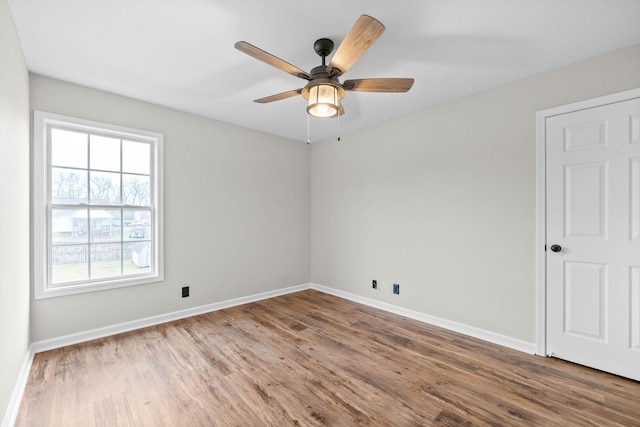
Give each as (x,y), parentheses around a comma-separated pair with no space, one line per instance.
(42,121)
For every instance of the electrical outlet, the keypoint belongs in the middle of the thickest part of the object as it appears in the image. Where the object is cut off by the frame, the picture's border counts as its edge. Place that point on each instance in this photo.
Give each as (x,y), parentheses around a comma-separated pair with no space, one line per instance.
(396,289)
(374,284)
(185,291)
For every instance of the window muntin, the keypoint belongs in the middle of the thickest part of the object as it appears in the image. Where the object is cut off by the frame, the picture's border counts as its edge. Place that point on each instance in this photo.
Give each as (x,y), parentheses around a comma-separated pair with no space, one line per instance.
(98,193)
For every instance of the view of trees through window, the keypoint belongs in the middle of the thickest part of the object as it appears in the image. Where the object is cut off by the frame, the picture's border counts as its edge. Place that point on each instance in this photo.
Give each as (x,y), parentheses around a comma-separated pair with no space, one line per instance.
(100,206)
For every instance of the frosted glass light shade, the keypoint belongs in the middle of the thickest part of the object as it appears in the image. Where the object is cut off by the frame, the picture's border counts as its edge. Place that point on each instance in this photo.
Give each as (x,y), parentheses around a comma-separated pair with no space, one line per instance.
(323,100)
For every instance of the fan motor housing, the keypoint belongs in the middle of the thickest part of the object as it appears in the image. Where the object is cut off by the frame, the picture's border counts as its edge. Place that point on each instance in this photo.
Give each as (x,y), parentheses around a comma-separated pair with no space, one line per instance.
(319,75)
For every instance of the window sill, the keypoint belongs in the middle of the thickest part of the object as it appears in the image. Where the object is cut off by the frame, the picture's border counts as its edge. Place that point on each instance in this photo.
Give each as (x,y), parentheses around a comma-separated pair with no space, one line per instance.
(82,288)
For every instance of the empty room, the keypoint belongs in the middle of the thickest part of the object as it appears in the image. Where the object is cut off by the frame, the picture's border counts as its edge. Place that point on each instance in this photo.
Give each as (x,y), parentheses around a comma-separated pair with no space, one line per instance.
(255,213)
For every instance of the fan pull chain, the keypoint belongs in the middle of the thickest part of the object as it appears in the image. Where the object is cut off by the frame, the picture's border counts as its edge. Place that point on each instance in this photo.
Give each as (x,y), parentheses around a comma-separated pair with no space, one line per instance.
(308,140)
(338,127)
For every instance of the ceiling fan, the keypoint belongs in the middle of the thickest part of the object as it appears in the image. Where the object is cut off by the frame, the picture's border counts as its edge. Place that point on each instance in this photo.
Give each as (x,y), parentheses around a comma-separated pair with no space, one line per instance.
(324,91)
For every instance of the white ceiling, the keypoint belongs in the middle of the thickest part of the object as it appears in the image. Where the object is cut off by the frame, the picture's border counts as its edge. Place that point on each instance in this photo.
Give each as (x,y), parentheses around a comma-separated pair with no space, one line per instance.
(180,54)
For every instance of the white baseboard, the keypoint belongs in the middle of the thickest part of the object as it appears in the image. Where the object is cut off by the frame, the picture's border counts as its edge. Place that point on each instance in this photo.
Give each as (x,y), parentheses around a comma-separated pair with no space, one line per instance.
(472,331)
(18,390)
(119,328)
(482,334)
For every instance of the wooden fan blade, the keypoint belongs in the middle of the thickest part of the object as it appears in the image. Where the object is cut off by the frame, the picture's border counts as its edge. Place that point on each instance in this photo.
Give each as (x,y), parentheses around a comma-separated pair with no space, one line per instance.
(279,96)
(362,35)
(378,85)
(274,61)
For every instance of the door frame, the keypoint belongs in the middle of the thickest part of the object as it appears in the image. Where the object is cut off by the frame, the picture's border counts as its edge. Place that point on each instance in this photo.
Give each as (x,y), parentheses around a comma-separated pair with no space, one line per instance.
(541,198)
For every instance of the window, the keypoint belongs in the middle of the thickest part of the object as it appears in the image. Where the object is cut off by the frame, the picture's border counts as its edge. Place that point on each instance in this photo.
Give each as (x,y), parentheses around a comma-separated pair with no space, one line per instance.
(97,206)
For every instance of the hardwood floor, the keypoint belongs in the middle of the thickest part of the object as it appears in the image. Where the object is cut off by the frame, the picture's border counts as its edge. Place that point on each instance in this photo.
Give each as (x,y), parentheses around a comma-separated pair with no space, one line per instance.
(313,359)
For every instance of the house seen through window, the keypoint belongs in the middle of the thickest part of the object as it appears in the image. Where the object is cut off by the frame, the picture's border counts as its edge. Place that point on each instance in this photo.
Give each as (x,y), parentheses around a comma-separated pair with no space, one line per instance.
(98,195)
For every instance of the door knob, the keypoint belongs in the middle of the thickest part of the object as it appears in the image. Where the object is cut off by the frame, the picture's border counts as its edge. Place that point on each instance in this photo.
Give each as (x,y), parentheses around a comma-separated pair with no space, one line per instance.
(556,248)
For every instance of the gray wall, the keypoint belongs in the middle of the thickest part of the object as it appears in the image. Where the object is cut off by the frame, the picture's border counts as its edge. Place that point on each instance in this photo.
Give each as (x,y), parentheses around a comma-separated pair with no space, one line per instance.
(236,212)
(443,201)
(14,208)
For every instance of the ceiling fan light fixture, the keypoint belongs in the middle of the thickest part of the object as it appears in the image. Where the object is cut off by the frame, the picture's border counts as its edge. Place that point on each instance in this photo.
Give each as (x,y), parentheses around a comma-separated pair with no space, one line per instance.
(324,92)
(324,100)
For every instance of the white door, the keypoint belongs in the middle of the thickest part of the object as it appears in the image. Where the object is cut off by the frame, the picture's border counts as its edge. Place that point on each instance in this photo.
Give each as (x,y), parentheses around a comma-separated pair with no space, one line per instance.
(593,237)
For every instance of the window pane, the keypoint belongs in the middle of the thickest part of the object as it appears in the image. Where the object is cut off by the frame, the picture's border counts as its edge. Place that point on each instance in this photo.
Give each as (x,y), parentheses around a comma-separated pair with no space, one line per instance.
(104,153)
(105,225)
(68,148)
(105,260)
(68,186)
(69,263)
(136,224)
(136,157)
(105,188)
(136,190)
(137,258)
(69,226)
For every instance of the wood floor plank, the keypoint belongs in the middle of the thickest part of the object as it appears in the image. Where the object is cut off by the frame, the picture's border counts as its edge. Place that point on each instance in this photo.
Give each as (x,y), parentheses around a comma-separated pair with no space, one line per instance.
(312,359)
